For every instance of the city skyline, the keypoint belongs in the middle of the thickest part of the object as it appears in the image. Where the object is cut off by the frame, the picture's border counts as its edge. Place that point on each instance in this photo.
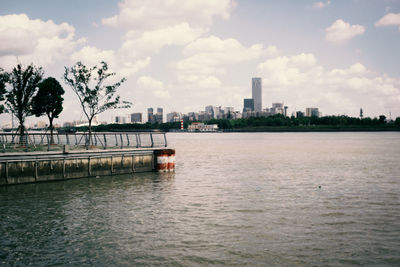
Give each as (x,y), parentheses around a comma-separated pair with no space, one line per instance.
(338,56)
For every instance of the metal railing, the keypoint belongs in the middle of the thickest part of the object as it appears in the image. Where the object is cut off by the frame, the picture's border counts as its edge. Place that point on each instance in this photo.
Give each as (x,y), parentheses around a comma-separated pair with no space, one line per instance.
(81,140)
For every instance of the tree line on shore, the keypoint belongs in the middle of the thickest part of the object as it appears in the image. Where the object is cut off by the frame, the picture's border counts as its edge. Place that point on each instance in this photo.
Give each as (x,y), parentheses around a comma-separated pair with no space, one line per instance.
(256,123)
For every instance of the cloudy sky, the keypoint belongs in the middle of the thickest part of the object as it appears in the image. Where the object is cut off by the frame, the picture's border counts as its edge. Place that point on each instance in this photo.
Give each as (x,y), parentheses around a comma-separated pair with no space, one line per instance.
(185,54)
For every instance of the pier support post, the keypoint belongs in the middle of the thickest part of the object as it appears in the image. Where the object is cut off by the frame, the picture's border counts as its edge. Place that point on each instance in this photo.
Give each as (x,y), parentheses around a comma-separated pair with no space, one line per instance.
(165,159)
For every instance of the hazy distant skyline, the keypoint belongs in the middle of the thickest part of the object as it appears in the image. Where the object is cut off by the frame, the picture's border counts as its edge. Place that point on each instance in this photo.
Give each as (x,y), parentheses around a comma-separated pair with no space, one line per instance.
(181,55)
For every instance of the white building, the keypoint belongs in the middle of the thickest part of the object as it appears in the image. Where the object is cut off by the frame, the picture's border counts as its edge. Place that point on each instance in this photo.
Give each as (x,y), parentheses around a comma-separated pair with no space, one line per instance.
(201,127)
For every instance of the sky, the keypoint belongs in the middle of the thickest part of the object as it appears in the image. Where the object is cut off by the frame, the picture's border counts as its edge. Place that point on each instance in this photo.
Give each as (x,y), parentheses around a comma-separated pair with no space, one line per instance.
(182,55)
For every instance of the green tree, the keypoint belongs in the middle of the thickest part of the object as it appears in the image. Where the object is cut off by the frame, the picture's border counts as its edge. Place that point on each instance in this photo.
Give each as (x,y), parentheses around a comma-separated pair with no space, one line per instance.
(3,81)
(382,119)
(94,97)
(397,121)
(48,101)
(23,85)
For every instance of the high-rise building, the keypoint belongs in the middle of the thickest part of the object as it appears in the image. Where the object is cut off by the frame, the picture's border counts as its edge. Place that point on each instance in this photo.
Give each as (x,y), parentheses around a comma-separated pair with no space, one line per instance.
(159,115)
(150,115)
(256,90)
(174,117)
(136,117)
(248,104)
(312,112)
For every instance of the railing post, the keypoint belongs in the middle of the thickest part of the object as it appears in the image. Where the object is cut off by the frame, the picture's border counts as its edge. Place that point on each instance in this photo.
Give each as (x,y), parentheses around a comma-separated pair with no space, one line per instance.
(116,140)
(127,139)
(86,142)
(27,145)
(122,141)
(152,141)
(165,140)
(137,140)
(105,141)
(48,142)
(67,137)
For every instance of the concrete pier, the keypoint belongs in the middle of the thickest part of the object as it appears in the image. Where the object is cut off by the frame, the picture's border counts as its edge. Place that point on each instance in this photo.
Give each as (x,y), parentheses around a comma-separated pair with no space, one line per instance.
(18,168)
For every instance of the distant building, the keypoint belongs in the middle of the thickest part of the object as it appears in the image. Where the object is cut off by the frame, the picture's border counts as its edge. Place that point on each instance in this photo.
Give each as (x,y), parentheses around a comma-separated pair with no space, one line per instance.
(248,104)
(215,112)
(159,115)
(120,119)
(201,127)
(256,90)
(277,108)
(299,114)
(136,117)
(174,117)
(312,112)
(150,115)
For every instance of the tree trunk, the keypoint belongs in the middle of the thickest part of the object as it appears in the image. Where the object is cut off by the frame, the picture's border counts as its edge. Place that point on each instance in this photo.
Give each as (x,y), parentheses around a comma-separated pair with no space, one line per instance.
(51,130)
(21,130)
(90,132)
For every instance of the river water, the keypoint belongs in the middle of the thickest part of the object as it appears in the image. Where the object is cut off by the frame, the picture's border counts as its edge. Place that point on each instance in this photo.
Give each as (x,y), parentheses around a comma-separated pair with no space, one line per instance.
(284,199)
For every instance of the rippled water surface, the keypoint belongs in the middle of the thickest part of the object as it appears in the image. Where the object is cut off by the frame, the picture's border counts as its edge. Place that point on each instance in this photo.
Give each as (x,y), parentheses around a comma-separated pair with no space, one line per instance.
(235,199)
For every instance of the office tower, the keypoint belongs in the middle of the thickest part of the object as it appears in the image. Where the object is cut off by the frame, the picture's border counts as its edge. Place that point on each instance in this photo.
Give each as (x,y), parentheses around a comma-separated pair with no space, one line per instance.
(312,112)
(159,115)
(256,90)
(136,117)
(150,116)
(248,104)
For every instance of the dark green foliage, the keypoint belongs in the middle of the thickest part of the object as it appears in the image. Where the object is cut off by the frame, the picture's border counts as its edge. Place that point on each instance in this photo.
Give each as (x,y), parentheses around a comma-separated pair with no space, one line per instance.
(48,101)
(23,85)
(96,98)
(275,122)
(3,81)
(397,122)
(382,119)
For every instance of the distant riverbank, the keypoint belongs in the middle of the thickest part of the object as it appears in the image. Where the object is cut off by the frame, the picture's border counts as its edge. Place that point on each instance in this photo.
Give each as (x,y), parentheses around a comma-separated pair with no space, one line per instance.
(315,129)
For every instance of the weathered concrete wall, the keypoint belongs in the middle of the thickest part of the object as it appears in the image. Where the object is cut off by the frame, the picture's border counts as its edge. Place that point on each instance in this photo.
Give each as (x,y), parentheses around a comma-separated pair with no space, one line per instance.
(37,168)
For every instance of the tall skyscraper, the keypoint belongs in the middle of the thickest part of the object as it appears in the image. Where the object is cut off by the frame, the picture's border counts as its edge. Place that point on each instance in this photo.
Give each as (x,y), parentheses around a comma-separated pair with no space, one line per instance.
(256,90)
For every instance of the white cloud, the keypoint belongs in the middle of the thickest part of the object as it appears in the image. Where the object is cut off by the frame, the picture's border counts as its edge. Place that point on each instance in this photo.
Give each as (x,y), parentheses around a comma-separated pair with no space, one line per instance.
(156,87)
(341,31)
(208,56)
(389,19)
(41,42)
(145,15)
(117,62)
(151,42)
(301,81)
(321,4)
